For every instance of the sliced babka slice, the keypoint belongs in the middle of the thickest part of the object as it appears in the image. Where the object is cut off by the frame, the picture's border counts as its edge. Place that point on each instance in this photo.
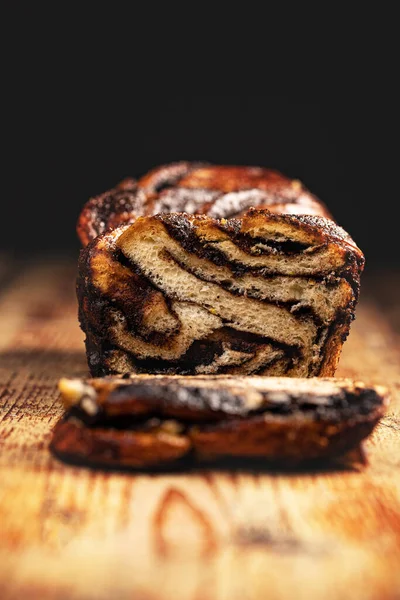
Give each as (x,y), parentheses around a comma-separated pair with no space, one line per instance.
(196,188)
(151,420)
(265,294)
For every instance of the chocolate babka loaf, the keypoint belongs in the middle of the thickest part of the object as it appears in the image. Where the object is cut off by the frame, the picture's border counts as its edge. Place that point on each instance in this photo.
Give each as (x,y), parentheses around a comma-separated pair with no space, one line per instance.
(267,294)
(154,420)
(196,188)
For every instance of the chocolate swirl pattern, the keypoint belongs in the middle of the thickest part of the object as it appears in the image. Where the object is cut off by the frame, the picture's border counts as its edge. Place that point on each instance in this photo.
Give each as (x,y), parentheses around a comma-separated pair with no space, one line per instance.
(196,188)
(148,420)
(267,294)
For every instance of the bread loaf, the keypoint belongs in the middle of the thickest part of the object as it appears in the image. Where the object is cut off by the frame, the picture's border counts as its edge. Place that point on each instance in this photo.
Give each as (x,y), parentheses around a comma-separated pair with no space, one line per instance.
(226,289)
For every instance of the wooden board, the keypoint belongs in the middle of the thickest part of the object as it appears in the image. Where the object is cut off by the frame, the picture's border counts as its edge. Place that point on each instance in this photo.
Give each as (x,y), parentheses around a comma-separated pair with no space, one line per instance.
(68,532)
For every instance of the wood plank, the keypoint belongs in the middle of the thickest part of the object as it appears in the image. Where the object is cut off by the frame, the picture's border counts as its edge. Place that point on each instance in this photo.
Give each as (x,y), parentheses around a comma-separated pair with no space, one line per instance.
(68,532)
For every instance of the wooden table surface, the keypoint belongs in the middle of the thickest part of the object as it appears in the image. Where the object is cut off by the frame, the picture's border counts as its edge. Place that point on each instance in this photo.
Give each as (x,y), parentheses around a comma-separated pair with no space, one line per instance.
(68,532)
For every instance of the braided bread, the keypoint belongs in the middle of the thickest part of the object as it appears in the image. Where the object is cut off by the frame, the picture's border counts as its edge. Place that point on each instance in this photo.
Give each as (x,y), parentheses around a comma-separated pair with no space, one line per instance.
(263,293)
(196,188)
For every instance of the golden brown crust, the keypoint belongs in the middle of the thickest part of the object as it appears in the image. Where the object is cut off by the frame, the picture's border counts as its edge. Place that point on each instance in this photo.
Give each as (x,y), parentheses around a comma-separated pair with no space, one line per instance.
(112,209)
(166,176)
(196,188)
(73,441)
(280,441)
(150,421)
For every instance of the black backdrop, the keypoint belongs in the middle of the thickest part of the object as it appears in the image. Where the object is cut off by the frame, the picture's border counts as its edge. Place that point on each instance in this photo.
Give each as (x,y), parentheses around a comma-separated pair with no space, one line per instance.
(65,147)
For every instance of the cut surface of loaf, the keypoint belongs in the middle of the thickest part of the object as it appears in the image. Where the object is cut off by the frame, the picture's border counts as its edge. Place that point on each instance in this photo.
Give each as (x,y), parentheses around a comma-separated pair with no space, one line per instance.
(264,294)
(196,188)
(153,420)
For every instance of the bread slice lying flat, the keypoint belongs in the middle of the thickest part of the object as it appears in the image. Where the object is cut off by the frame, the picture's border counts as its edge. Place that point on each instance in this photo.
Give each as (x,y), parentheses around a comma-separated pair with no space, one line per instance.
(266,294)
(148,420)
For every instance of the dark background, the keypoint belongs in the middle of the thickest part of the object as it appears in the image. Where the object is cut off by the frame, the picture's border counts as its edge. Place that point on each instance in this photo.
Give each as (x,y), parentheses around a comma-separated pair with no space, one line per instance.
(65,146)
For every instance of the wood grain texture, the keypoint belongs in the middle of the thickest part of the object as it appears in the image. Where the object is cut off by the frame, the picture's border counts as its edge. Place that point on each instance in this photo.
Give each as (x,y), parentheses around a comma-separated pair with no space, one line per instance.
(68,532)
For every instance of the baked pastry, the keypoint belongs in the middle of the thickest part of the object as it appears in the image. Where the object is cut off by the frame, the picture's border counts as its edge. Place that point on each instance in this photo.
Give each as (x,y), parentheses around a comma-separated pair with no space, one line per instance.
(196,188)
(109,210)
(154,420)
(266,294)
